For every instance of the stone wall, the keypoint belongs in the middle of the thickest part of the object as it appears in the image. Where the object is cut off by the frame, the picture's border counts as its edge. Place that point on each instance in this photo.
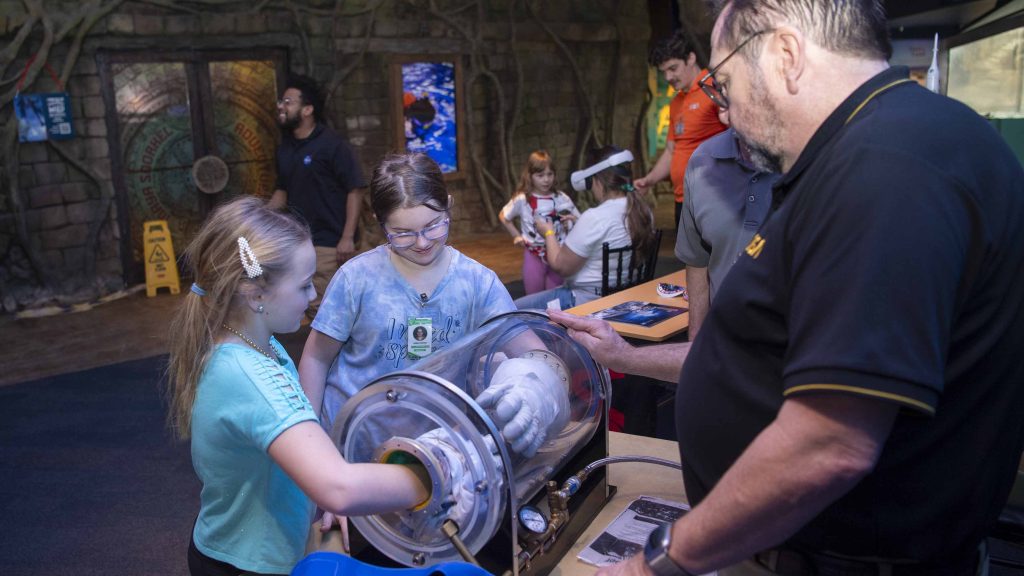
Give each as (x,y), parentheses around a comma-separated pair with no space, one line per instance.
(585,65)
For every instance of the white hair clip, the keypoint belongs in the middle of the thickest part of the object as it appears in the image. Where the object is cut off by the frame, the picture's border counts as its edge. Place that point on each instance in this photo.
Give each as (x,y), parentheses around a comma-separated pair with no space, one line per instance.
(248,257)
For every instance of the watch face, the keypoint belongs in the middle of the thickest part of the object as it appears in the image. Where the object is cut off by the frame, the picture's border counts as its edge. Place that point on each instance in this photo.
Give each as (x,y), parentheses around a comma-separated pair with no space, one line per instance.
(532,519)
(656,552)
(660,537)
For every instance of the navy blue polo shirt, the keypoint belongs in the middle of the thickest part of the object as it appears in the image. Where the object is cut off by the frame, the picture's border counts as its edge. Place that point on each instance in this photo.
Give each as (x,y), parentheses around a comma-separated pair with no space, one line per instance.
(891,268)
(318,172)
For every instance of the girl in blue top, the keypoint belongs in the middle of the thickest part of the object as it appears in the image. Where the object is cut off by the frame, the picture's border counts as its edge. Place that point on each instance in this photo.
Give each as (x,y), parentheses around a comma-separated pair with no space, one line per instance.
(256,444)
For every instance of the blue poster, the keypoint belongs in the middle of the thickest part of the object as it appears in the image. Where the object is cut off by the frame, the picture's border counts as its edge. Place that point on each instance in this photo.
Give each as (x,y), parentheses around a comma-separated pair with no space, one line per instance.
(43,117)
(428,104)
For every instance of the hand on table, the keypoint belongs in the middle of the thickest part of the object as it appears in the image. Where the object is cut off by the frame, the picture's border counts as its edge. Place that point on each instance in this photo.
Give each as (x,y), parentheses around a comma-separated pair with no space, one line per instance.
(634,566)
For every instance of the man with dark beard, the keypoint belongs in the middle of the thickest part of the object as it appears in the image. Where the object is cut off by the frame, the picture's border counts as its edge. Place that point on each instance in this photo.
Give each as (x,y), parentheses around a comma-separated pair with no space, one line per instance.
(319,177)
(853,403)
(693,117)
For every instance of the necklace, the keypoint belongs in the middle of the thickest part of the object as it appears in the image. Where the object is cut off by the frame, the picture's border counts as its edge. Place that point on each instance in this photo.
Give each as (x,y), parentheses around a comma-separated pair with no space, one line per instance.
(251,343)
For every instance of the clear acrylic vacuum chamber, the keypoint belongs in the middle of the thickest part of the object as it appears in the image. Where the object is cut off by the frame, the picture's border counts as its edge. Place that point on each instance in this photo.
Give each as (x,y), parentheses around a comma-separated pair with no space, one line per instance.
(495,418)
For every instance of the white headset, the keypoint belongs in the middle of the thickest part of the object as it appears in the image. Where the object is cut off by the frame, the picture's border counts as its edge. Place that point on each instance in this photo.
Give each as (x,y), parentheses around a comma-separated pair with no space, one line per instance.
(579,178)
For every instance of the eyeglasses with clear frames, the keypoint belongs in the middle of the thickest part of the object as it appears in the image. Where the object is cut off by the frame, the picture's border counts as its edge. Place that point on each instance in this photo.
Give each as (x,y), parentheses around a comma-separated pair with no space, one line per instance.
(710,86)
(408,239)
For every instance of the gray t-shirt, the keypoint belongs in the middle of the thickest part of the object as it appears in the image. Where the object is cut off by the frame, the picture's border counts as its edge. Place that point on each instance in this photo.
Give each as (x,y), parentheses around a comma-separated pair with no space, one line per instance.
(726,202)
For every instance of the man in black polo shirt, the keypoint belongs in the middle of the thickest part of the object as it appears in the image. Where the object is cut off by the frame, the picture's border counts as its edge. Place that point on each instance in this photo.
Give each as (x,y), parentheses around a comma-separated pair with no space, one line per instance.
(853,402)
(319,177)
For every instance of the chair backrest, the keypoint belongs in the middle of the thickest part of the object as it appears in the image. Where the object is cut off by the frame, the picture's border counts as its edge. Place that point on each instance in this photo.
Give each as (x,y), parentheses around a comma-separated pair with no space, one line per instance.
(638,271)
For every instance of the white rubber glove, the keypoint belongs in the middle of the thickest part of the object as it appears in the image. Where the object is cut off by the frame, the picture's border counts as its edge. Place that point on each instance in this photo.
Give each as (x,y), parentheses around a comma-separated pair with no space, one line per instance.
(458,504)
(529,402)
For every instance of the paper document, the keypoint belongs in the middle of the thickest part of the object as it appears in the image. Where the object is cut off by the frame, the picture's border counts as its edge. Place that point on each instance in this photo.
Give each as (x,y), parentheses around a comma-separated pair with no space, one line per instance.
(628,533)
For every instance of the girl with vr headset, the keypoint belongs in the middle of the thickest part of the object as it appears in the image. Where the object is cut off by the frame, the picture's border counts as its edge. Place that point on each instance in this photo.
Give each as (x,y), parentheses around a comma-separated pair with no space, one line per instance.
(534,197)
(620,219)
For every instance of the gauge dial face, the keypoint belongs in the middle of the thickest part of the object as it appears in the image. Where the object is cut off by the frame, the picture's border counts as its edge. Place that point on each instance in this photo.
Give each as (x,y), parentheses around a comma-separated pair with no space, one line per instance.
(532,519)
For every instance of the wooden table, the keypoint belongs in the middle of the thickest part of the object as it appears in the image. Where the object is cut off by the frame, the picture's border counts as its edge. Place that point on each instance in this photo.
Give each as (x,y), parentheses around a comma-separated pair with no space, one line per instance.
(646,292)
(632,480)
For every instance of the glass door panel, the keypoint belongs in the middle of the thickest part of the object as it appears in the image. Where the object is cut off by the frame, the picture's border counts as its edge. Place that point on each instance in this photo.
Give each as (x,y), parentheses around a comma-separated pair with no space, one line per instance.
(244,110)
(156,149)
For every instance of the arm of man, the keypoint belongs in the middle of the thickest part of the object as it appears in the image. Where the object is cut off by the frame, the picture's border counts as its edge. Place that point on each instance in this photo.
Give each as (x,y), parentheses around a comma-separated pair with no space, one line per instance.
(699,291)
(317,356)
(353,208)
(659,171)
(817,449)
(662,362)
(278,200)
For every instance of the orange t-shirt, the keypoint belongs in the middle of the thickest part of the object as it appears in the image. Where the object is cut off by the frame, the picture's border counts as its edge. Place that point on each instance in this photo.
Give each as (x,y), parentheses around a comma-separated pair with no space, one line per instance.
(694,119)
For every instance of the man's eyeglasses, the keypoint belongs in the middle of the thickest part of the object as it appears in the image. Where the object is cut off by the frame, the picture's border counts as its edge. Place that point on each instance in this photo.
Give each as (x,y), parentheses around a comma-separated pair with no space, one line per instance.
(287,102)
(710,85)
(407,239)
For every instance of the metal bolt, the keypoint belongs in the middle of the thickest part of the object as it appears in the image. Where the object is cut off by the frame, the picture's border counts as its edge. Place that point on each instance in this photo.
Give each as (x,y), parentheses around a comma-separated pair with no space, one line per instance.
(391,396)
(480,487)
(419,559)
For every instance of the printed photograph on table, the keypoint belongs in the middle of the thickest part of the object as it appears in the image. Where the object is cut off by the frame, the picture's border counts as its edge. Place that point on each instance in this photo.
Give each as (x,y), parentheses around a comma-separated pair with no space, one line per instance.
(429,101)
(626,534)
(640,313)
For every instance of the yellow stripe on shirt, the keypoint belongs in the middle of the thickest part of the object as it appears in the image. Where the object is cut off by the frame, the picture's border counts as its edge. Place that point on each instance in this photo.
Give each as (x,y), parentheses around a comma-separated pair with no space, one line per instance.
(865,392)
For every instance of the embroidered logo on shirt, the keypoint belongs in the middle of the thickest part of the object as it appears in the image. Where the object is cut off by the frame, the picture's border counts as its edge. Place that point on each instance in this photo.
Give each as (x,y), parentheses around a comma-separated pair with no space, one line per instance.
(756,245)
(307,160)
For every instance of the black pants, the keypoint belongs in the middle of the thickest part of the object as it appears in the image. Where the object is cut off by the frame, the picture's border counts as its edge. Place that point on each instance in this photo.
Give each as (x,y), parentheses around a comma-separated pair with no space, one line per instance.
(200,564)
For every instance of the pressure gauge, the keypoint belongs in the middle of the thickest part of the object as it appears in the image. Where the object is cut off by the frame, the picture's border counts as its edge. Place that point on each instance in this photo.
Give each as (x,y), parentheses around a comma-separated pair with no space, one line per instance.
(532,520)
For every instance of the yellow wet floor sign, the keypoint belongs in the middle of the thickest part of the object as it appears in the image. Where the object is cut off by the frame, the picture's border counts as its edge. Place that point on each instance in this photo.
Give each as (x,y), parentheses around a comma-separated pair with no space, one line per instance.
(161,267)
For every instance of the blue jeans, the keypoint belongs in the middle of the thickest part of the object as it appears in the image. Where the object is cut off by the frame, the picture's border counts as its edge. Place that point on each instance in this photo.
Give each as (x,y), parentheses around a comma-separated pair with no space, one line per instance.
(539,300)
(566,297)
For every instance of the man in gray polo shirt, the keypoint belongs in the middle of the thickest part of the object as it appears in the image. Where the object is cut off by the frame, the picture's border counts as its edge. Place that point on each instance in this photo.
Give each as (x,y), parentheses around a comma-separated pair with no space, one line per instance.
(726,201)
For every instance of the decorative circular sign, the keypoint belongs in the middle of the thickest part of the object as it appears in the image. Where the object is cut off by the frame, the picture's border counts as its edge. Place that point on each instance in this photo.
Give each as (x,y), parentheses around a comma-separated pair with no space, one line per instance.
(210,174)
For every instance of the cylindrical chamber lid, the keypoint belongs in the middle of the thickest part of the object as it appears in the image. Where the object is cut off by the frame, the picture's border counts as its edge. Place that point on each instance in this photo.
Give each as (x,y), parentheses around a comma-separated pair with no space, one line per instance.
(440,419)
(451,406)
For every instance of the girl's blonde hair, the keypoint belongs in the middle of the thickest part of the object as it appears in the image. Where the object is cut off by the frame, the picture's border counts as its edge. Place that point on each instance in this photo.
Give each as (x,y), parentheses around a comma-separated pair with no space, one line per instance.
(538,161)
(216,267)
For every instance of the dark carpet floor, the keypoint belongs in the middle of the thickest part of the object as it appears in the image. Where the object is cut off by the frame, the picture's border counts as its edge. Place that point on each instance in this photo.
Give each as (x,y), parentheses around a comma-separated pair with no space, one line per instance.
(91,482)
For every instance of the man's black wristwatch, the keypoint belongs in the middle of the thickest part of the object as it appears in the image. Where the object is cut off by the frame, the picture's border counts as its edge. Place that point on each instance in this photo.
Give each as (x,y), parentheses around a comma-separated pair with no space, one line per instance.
(656,553)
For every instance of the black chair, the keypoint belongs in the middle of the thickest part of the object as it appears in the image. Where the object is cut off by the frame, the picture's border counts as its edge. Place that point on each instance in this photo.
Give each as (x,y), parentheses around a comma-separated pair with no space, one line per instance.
(638,271)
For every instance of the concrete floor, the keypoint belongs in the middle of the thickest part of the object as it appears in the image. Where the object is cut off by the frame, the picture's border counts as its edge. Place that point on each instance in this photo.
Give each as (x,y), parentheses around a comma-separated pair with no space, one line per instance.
(135,326)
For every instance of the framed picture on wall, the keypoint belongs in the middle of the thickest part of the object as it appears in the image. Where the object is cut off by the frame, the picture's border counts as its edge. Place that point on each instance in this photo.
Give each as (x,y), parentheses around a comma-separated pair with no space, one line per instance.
(426,93)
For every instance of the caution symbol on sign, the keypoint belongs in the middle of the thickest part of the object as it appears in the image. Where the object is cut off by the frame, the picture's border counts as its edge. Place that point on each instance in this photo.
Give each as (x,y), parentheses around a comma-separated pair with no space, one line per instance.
(158,256)
(161,271)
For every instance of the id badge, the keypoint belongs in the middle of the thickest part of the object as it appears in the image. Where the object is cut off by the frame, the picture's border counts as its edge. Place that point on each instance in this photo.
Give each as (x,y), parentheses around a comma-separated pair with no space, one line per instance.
(419,336)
